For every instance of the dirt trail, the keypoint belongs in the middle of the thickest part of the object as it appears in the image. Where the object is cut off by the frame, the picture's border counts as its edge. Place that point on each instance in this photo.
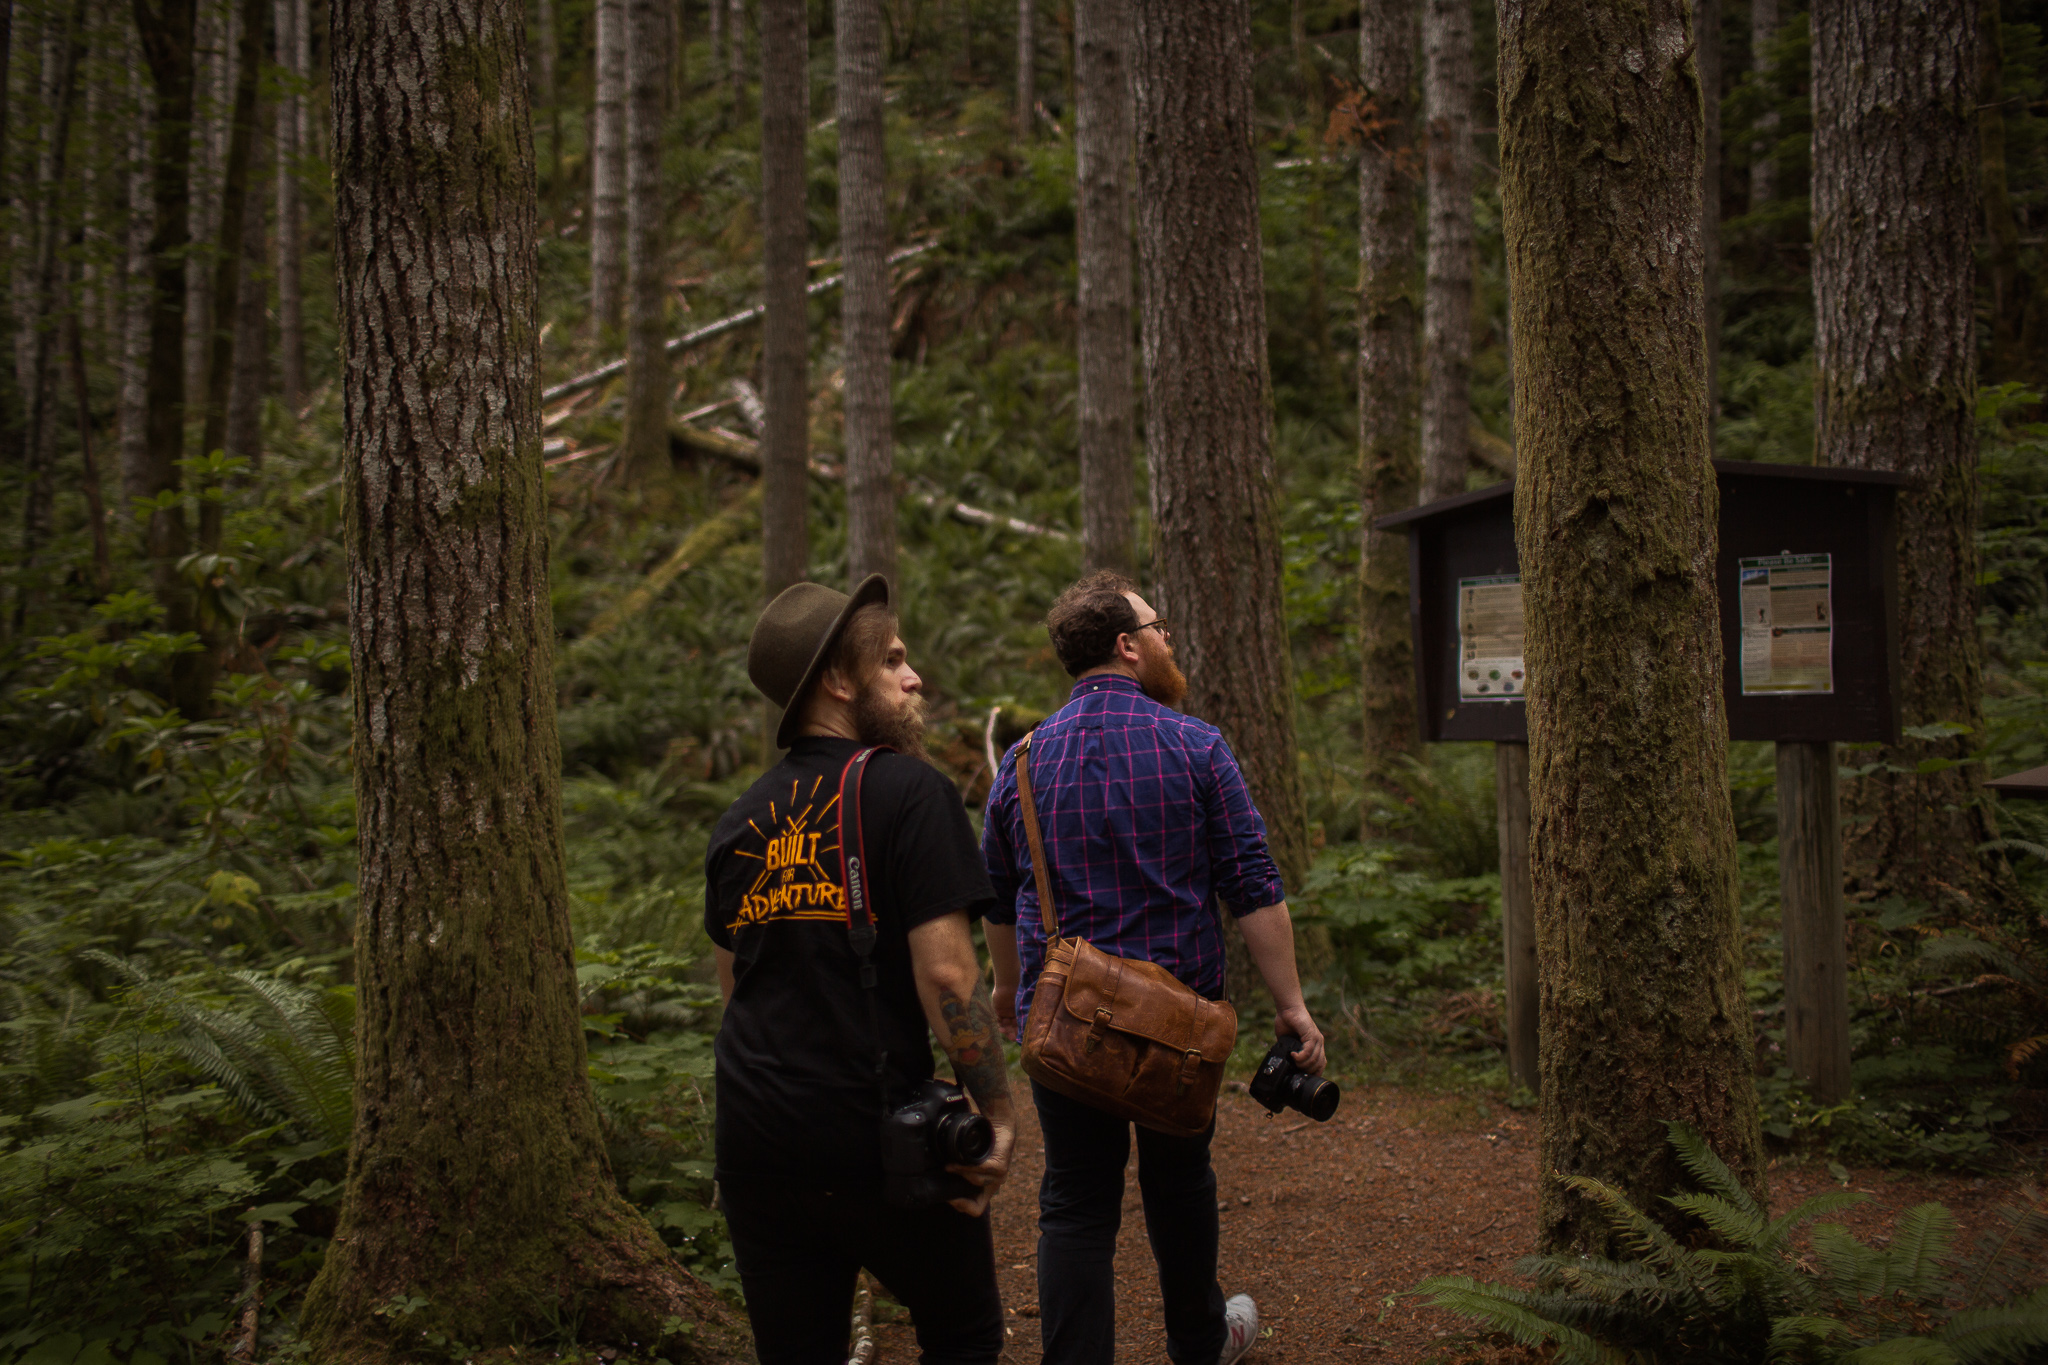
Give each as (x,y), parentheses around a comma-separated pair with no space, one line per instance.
(1324,1222)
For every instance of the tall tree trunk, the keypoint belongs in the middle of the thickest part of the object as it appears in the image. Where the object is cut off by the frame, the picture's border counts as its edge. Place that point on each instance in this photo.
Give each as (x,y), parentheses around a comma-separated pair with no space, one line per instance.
(1389,464)
(167,31)
(717,8)
(647,371)
(608,172)
(1894,208)
(2011,285)
(1027,68)
(545,47)
(1643,1017)
(864,300)
(1706,26)
(1447,293)
(243,434)
(477,1177)
(785,330)
(293,55)
(1763,165)
(237,166)
(1102,221)
(736,52)
(1216,533)
(139,297)
(211,112)
(11,416)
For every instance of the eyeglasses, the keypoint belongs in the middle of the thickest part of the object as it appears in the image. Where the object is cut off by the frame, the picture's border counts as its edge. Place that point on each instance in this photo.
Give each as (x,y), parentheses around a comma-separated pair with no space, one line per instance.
(1160,625)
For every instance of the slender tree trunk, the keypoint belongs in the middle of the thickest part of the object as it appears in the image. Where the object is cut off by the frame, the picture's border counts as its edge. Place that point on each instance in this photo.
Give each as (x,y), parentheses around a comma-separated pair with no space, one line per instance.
(608,172)
(2011,285)
(736,52)
(785,330)
(1447,294)
(477,1178)
(1389,463)
(1216,534)
(1102,220)
(293,56)
(647,370)
(167,31)
(1895,126)
(95,505)
(864,300)
(717,9)
(211,112)
(1643,1017)
(1027,67)
(243,434)
(1706,25)
(545,46)
(139,298)
(237,167)
(1763,165)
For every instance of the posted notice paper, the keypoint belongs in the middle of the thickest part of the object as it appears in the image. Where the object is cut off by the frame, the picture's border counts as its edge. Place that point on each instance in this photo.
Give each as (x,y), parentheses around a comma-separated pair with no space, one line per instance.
(1490,639)
(1788,624)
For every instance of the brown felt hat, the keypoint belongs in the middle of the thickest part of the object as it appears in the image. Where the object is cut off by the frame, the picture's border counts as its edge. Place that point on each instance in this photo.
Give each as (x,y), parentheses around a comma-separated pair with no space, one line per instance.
(795,636)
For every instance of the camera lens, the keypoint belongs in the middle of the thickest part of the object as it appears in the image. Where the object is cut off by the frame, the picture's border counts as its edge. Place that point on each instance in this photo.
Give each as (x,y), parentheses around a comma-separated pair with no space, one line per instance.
(1314,1096)
(962,1139)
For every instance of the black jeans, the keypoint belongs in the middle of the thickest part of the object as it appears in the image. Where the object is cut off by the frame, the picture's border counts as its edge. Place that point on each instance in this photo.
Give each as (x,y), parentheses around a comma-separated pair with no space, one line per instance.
(1080,1207)
(799,1250)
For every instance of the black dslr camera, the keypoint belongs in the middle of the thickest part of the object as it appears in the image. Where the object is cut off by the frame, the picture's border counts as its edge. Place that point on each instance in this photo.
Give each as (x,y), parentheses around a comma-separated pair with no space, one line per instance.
(934,1130)
(1280,1084)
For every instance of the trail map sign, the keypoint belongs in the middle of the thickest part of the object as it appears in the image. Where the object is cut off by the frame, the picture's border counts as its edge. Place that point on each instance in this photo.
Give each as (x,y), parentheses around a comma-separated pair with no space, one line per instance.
(1787,624)
(1490,638)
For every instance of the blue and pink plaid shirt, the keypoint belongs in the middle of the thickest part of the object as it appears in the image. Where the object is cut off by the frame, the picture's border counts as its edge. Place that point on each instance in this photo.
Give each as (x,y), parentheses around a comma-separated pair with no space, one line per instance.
(1147,824)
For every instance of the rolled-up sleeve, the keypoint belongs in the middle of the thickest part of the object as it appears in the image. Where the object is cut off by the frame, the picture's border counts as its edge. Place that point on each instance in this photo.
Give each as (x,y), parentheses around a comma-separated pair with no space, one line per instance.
(997,852)
(1242,865)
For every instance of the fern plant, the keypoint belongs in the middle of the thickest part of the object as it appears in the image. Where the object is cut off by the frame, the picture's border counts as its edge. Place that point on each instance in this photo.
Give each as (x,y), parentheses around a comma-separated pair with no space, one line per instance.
(283,1052)
(1751,1298)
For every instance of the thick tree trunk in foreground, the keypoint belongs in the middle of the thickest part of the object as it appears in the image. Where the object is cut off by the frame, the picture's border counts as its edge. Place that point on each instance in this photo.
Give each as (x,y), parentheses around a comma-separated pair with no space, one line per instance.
(608,171)
(1102,222)
(477,1179)
(647,368)
(864,300)
(1763,166)
(1633,842)
(1389,466)
(785,326)
(1447,297)
(1027,68)
(293,49)
(1894,208)
(1216,534)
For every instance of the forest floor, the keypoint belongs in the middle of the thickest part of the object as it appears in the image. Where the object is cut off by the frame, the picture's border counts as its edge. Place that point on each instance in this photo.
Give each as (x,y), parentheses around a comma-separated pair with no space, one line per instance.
(1327,1225)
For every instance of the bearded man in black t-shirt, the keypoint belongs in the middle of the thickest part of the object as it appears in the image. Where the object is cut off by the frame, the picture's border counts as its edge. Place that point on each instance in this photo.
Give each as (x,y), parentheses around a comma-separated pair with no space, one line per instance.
(800,1101)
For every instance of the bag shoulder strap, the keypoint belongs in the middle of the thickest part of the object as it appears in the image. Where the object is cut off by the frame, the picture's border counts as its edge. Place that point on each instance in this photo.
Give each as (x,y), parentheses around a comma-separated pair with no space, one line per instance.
(1047,914)
(860,917)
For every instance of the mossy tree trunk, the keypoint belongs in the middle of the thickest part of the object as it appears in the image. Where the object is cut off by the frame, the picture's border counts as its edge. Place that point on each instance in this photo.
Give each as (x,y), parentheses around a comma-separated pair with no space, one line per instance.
(785,331)
(1894,211)
(647,367)
(1102,229)
(1447,288)
(1389,467)
(608,169)
(1643,1017)
(1216,534)
(864,299)
(477,1178)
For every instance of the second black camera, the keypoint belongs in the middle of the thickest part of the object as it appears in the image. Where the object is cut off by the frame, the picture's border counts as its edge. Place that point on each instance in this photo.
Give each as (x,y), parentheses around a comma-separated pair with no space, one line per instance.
(935,1129)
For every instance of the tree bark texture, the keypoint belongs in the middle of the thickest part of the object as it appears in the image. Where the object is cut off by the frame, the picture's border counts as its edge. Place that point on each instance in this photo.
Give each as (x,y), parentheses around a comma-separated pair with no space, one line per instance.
(1706,25)
(1216,535)
(864,300)
(647,367)
(477,1178)
(213,81)
(1027,68)
(293,54)
(1388,316)
(243,434)
(1447,294)
(1894,209)
(139,299)
(1102,222)
(1633,842)
(608,171)
(785,326)
(1763,32)
(237,167)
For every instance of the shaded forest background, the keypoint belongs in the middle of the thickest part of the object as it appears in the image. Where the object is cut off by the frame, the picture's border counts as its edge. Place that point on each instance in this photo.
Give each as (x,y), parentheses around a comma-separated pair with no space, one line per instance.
(177,856)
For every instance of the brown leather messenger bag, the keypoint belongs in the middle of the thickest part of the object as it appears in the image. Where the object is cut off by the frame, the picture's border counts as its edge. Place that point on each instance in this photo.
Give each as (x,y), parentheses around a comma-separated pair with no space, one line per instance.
(1119,1033)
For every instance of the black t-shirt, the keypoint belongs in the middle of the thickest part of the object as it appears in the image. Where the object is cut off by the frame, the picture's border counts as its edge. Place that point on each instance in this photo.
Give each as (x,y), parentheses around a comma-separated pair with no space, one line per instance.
(796,1052)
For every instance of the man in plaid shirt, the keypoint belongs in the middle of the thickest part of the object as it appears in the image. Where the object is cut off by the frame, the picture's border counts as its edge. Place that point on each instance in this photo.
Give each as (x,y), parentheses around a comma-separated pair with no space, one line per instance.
(1148,827)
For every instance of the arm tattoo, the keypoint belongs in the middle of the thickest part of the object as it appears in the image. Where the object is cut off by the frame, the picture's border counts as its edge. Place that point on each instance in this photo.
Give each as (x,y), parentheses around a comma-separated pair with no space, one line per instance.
(973,1044)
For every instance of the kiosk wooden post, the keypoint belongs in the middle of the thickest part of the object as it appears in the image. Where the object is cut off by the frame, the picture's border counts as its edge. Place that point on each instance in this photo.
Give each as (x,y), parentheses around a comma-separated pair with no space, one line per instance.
(1810,896)
(1517,909)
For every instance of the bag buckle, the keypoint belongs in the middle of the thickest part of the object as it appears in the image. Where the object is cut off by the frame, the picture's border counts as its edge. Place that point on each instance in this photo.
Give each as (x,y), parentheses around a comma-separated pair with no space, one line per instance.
(1189,1063)
(1094,1039)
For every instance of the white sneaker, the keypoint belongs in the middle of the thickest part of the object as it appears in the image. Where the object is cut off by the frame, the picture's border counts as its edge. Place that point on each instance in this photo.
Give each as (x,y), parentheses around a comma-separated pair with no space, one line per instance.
(1241,1328)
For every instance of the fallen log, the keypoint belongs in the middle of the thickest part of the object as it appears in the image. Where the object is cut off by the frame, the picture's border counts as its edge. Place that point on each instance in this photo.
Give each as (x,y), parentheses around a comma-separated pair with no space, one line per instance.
(707,540)
(555,392)
(741,453)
